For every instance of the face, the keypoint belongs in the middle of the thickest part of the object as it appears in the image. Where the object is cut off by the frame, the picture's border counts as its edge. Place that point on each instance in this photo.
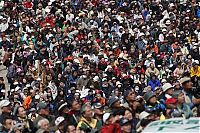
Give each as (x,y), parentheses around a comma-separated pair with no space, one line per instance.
(128,115)
(170,91)
(88,112)
(117,104)
(188,85)
(21,112)
(126,128)
(7,109)
(181,98)
(45,125)
(76,106)
(8,123)
(153,100)
(44,111)
(71,129)
(131,96)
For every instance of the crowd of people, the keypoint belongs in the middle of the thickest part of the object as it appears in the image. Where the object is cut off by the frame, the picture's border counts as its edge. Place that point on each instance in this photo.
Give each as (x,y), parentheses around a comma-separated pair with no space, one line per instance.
(98,66)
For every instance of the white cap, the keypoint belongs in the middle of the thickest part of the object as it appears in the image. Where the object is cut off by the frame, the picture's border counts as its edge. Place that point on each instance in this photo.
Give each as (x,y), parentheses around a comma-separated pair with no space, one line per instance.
(106,117)
(141,34)
(37,97)
(113,47)
(38,79)
(104,79)
(59,120)
(163,80)
(15,83)
(149,55)
(118,83)
(17,88)
(143,115)
(4,103)
(168,22)
(76,61)
(166,86)
(96,78)
(164,30)
(184,79)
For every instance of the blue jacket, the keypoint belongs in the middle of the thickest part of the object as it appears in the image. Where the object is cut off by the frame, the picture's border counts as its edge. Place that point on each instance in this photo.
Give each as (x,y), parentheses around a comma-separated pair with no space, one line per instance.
(154,84)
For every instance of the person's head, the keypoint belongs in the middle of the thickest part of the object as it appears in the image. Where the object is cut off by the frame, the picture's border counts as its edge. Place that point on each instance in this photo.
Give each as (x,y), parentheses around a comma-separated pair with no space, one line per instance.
(7,122)
(60,123)
(108,118)
(114,102)
(74,105)
(71,129)
(128,114)
(5,106)
(186,83)
(179,95)
(43,124)
(125,125)
(86,111)
(168,88)
(1,80)
(21,112)
(150,98)
(98,109)
(129,95)
(43,109)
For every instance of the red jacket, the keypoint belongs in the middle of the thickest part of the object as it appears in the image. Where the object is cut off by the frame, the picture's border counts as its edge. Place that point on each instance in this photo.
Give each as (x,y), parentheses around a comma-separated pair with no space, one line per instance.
(111,128)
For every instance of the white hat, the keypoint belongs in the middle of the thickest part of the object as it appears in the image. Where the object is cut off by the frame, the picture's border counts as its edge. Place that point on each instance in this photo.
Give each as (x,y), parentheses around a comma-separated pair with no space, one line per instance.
(164,30)
(171,4)
(149,55)
(37,97)
(28,85)
(3,91)
(58,62)
(38,79)
(168,22)
(96,78)
(59,120)
(76,61)
(143,115)
(113,47)
(15,83)
(170,32)
(184,79)
(118,83)
(106,117)
(104,79)
(17,88)
(141,34)
(163,80)
(166,86)
(47,10)
(4,103)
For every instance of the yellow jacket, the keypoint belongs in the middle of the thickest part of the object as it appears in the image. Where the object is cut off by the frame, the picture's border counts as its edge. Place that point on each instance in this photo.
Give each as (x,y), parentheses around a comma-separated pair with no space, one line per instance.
(85,124)
(195,72)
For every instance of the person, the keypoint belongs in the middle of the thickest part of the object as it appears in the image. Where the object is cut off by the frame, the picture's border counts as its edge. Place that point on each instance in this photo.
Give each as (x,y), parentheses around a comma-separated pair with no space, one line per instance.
(59,122)
(87,122)
(21,117)
(7,124)
(182,109)
(43,125)
(72,129)
(152,105)
(125,125)
(5,108)
(188,93)
(43,113)
(110,124)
